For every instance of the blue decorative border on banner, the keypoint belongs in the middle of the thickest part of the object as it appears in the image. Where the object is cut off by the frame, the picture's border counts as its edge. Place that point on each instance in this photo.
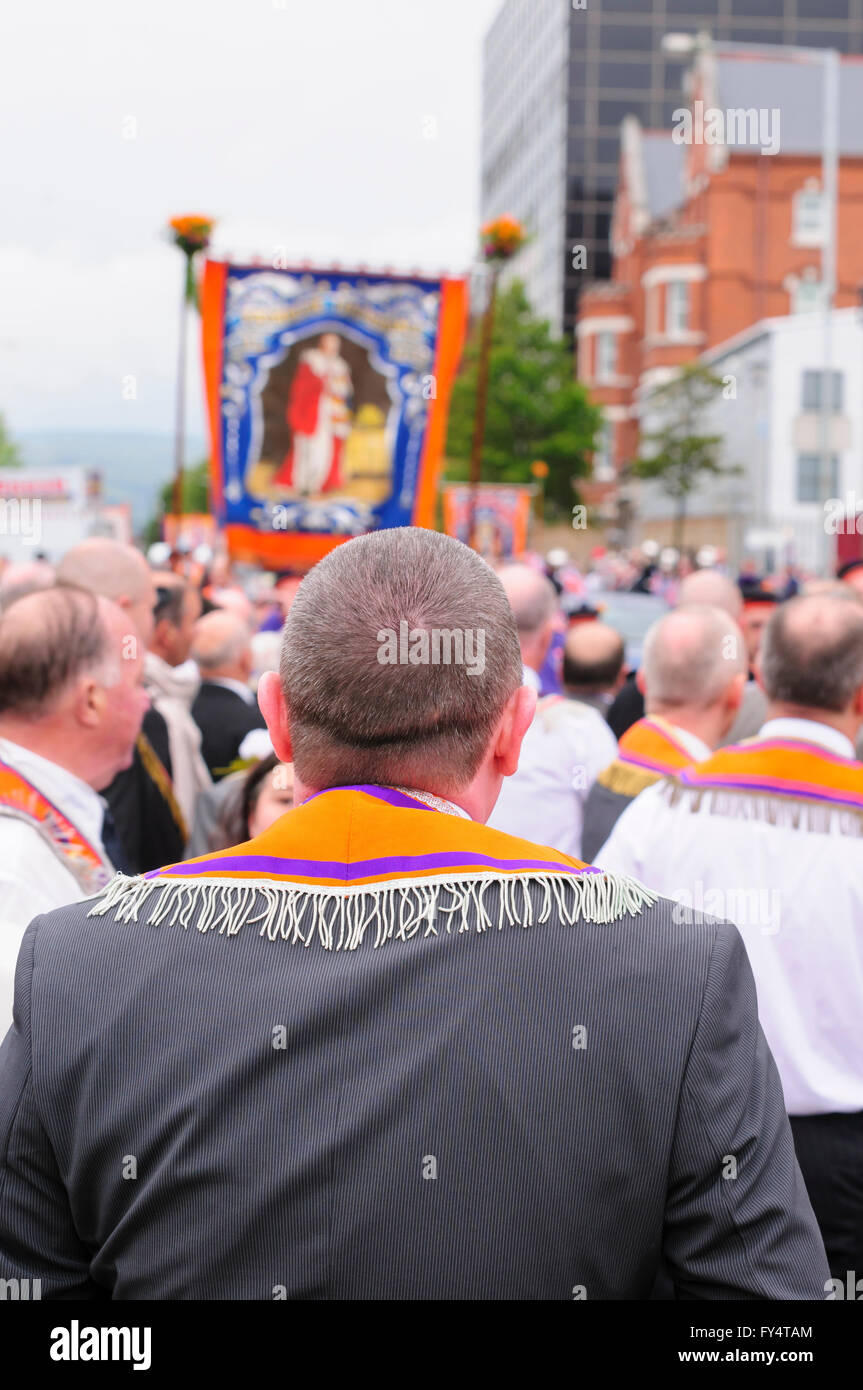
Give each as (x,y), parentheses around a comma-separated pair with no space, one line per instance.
(267,311)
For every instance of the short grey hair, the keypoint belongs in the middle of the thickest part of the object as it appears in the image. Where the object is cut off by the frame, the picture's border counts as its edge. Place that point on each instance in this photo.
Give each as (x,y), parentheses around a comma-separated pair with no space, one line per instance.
(354,719)
(691,655)
(48,640)
(812,652)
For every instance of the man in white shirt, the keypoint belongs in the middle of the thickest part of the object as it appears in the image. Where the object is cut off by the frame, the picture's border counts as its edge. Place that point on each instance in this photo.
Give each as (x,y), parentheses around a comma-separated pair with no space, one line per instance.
(567,744)
(692,675)
(71,704)
(769,834)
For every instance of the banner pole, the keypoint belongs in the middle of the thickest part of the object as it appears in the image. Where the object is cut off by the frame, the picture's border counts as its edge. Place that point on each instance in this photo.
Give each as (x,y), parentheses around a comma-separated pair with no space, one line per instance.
(481,404)
(180,419)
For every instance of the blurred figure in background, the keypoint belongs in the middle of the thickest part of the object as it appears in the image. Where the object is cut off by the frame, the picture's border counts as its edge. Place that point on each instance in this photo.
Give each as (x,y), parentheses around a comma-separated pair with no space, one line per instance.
(225,708)
(715,590)
(172,682)
(146,813)
(567,744)
(718,591)
(692,675)
(593,669)
(770,835)
(258,797)
(19,580)
(851,574)
(71,702)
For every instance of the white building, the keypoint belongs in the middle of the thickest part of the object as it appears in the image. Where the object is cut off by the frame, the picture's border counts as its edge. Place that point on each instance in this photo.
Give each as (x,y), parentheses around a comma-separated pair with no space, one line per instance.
(775,427)
(47,511)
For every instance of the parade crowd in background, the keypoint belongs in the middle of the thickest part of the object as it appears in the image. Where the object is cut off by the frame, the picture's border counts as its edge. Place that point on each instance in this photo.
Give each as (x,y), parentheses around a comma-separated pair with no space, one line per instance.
(712,756)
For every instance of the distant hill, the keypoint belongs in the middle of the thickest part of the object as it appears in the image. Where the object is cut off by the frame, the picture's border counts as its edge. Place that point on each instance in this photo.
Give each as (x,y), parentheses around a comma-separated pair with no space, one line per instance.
(134,466)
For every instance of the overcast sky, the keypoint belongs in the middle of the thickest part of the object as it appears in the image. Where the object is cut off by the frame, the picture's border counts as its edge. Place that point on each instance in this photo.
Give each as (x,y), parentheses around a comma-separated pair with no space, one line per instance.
(340,129)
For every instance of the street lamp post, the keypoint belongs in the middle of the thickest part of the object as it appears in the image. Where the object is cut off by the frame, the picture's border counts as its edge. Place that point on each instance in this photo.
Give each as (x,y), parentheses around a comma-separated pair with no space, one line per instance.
(828,60)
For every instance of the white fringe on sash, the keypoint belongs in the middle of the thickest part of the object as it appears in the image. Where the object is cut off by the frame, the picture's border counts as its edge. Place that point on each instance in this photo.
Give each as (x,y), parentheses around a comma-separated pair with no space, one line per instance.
(787,812)
(340,918)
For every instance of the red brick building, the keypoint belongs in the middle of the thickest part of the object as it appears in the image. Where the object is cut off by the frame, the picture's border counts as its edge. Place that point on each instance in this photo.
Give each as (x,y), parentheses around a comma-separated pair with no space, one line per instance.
(717,225)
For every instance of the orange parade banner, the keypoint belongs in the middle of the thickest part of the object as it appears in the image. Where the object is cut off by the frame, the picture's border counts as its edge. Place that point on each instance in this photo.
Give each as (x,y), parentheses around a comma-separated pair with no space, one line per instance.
(327,398)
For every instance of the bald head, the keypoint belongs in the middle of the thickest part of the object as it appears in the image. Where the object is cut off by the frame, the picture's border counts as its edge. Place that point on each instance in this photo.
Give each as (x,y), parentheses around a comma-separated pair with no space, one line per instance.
(533,600)
(709,588)
(592,658)
(531,596)
(812,653)
(222,646)
(691,657)
(26,578)
(114,571)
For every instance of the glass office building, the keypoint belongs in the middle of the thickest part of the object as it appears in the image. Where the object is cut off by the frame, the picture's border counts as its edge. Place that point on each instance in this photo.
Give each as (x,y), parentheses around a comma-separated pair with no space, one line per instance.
(559,77)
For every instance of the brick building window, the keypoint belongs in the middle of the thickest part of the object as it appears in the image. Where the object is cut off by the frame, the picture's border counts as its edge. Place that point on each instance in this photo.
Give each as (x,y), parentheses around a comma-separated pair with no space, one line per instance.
(807,219)
(676,307)
(606,356)
(603,461)
(807,294)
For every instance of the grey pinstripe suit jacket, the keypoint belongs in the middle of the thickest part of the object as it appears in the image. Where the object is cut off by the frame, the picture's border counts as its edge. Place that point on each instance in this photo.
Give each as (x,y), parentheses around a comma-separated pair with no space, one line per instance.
(435,1126)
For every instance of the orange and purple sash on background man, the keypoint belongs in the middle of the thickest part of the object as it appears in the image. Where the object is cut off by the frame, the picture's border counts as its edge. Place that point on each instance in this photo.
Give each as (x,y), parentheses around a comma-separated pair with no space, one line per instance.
(354,857)
(20,798)
(780,767)
(649,749)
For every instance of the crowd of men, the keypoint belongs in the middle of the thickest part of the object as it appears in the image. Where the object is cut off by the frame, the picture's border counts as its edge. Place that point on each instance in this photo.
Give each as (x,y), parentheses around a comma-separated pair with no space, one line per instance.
(150,716)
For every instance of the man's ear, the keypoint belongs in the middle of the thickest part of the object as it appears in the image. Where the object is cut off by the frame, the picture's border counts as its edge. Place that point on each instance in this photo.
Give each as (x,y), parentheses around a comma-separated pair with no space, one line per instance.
(517,719)
(275,711)
(89,703)
(639,681)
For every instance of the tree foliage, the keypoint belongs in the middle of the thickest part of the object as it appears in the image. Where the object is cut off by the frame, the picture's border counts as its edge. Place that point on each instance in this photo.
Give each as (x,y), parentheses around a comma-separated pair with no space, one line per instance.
(195,497)
(536,409)
(678,454)
(10,455)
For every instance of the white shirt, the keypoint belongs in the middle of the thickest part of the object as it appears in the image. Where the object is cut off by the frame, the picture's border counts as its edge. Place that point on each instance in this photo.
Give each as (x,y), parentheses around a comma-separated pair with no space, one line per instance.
(695,746)
(33,877)
(795,894)
(564,750)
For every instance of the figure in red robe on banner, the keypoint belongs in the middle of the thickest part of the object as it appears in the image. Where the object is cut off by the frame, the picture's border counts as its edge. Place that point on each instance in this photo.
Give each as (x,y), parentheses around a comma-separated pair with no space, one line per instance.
(320,419)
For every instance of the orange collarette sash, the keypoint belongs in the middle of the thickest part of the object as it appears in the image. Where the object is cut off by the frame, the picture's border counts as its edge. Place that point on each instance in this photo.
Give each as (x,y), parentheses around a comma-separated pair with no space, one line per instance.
(20,798)
(361,860)
(780,767)
(647,751)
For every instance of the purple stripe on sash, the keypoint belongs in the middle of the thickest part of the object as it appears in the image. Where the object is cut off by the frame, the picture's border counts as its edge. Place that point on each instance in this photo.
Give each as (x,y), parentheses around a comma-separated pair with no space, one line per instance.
(801,790)
(645,764)
(364,868)
(387,794)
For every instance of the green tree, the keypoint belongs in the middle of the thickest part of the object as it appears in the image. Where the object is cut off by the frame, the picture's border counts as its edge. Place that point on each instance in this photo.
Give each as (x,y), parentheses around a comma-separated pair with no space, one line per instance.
(195,498)
(10,456)
(536,408)
(678,454)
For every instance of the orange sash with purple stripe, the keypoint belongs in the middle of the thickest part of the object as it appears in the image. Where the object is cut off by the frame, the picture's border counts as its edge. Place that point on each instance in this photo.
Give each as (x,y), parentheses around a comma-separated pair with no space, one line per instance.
(652,744)
(367,856)
(22,799)
(785,767)
(649,749)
